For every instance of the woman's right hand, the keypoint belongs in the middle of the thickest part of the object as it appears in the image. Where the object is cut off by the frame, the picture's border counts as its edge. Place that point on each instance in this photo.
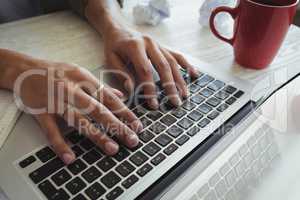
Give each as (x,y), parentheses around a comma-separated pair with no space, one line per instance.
(49,90)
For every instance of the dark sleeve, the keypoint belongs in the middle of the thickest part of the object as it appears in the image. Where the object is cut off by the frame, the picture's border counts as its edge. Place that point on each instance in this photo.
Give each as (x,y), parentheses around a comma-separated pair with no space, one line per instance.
(79,6)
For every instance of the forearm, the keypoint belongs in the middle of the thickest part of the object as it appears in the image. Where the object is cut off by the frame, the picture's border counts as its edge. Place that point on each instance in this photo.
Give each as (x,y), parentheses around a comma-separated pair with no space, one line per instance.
(12,64)
(104,15)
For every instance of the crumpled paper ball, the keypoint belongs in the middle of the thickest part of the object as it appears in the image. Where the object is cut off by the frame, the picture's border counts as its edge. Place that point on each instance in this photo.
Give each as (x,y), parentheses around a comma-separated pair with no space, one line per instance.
(151,12)
(208,6)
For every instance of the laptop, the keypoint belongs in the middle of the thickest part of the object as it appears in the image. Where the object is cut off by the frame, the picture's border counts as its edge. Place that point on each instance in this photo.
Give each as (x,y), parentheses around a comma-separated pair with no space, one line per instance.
(172,144)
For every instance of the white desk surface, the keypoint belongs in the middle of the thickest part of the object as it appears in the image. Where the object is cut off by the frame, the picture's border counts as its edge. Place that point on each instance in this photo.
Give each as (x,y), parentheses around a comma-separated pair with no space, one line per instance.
(63,36)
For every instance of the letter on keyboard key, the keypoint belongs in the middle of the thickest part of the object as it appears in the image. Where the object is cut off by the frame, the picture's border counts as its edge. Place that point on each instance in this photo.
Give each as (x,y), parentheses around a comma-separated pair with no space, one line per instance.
(195,115)
(115,193)
(61,177)
(91,174)
(125,168)
(185,123)
(110,179)
(92,156)
(130,181)
(182,140)
(214,102)
(204,122)
(154,115)
(77,150)
(170,149)
(197,99)
(168,120)
(51,192)
(26,162)
(216,85)
(174,131)
(178,113)
(144,170)
(204,108)
(146,136)
(193,131)
(46,170)
(138,158)
(206,92)
(213,115)
(151,149)
(95,191)
(77,166)
(106,164)
(230,89)
(122,154)
(157,128)
(158,159)
(188,105)
(163,140)
(75,185)
(45,154)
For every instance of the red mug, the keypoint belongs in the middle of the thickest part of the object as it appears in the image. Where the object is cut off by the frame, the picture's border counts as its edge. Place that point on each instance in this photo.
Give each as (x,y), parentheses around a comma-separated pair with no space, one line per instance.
(260,27)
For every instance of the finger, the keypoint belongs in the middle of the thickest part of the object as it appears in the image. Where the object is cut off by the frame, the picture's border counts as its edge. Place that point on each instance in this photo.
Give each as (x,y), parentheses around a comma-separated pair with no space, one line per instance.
(116,92)
(176,73)
(55,138)
(84,126)
(120,110)
(143,69)
(185,64)
(123,74)
(164,70)
(98,112)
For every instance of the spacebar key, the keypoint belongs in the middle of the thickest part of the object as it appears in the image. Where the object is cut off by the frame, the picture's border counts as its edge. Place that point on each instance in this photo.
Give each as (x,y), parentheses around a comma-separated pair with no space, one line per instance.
(46,170)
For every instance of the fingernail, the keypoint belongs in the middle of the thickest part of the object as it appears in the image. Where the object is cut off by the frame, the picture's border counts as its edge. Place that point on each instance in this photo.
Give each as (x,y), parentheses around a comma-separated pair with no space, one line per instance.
(154,103)
(68,158)
(133,140)
(127,86)
(177,101)
(111,147)
(137,126)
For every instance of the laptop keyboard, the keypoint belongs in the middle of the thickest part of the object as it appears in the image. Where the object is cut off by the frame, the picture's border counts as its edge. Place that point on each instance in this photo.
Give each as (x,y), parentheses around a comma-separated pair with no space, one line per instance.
(97,176)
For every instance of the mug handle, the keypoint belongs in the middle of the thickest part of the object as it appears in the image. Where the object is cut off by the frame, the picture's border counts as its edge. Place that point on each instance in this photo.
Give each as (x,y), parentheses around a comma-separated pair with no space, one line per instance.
(215,12)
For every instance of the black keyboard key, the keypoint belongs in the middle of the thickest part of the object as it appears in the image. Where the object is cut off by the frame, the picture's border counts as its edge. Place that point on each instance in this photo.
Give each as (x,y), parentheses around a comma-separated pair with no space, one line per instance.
(137,147)
(146,122)
(206,92)
(239,94)
(205,80)
(158,159)
(197,99)
(193,131)
(26,162)
(214,102)
(51,192)
(95,191)
(213,115)
(144,170)
(91,174)
(151,149)
(139,111)
(46,170)
(61,177)
(80,197)
(170,149)
(157,127)
(77,150)
(92,156)
(115,193)
(130,181)
(182,140)
(185,123)
(75,185)
(87,144)
(178,113)
(195,115)
(222,95)
(194,88)
(188,105)
(166,107)
(216,85)
(204,108)
(110,179)
(45,154)
(222,107)
(231,100)
(122,154)
(204,122)
(168,120)
(138,158)
(174,131)
(163,140)
(230,89)
(75,137)
(125,168)
(146,136)
(77,166)
(106,164)
(154,115)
